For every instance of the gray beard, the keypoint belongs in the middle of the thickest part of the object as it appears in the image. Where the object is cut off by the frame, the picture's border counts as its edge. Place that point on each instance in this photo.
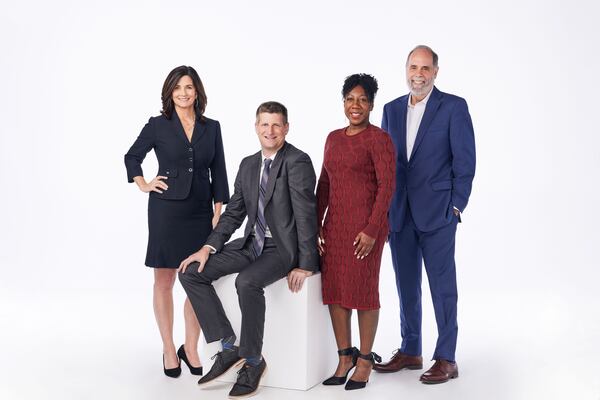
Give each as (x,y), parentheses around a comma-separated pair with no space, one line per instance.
(420,92)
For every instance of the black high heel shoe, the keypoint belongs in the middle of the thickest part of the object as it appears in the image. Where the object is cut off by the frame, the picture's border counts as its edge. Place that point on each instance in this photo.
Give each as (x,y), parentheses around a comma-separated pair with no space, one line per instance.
(182,356)
(353,385)
(172,372)
(340,380)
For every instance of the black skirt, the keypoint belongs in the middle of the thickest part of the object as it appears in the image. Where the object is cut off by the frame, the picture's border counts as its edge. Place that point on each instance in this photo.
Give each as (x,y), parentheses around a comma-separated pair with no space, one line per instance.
(178,228)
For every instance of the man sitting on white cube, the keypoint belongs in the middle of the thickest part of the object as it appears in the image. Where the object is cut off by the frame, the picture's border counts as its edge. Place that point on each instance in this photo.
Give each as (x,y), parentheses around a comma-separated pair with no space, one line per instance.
(274,188)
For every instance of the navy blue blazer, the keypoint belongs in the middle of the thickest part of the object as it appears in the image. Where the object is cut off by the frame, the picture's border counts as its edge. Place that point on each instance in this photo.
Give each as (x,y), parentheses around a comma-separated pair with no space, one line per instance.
(178,158)
(440,172)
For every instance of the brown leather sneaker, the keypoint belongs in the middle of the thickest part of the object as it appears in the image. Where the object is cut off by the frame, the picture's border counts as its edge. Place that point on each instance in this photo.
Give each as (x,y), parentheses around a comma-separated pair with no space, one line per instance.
(440,372)
(400,361)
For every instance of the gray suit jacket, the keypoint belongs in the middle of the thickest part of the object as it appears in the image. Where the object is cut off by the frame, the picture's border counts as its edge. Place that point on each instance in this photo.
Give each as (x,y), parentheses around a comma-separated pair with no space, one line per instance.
(290,209)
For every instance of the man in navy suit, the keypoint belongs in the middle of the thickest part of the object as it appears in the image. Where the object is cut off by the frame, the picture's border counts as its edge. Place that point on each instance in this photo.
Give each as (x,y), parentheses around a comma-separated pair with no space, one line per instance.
(433,135)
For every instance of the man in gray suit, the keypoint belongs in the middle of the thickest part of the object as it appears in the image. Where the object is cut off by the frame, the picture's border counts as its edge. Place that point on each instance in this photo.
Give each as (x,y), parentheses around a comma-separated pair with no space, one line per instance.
(274,188)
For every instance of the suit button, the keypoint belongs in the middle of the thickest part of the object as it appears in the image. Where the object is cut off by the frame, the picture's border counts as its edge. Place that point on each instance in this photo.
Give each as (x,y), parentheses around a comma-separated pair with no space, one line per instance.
(191,159)
(190,169)
(190,149)
(168,172)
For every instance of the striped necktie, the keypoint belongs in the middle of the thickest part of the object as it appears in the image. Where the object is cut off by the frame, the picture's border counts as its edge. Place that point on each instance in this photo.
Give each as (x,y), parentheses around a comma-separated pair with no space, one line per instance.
(258,241)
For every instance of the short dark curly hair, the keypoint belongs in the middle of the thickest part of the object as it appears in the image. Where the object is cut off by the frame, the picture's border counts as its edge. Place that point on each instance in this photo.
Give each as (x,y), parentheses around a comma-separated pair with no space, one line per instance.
(366,81)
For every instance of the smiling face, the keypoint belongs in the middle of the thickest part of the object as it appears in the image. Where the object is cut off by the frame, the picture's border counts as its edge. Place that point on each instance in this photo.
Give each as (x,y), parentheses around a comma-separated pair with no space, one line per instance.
(420,73)
(357,107)
(184,94)
(271,129)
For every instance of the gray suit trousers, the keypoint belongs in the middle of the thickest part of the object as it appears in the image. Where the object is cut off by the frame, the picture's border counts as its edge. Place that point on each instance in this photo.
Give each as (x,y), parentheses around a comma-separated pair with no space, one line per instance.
(254,274)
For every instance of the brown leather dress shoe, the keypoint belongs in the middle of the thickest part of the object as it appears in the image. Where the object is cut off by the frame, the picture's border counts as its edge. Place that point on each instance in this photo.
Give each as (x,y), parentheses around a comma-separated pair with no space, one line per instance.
(440,372)
(400,361)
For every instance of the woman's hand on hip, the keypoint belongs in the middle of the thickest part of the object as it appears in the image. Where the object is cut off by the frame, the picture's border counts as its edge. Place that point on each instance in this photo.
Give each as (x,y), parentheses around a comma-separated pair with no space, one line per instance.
(363,244)
(155,185)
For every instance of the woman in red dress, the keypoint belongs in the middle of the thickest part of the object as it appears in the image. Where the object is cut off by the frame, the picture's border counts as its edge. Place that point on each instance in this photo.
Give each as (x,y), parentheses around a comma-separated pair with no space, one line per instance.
(355,189)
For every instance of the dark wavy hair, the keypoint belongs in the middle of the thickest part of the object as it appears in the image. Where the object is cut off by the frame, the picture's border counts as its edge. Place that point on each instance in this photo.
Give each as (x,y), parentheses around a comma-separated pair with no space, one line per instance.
(169,85)
(366,81)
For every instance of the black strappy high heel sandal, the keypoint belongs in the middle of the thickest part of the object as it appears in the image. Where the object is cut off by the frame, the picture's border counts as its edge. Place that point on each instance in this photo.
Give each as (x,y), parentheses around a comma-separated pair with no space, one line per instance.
(340,380)
(353,385)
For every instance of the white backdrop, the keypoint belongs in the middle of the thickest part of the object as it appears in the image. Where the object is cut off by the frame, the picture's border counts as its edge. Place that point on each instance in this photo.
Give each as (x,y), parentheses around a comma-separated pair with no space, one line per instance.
(80,79)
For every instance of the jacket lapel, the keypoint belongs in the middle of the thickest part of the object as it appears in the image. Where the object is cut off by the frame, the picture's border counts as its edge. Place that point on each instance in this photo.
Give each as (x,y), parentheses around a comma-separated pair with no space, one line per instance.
(402,129)
(178,128)
(274,172)
(433,104)
(199,129)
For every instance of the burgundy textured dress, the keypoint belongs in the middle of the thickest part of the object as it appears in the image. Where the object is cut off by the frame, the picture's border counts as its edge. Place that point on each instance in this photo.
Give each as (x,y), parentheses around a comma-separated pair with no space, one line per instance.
(355,187)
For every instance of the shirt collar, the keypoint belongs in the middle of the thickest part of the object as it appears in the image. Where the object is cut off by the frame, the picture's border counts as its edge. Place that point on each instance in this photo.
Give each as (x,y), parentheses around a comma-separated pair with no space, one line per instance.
(272,157)
(424,101)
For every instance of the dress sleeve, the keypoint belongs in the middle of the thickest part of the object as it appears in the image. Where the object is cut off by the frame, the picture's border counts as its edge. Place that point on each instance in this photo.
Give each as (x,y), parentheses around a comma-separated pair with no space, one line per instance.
(218,171)
(382,155)
(136,154)
(323,189)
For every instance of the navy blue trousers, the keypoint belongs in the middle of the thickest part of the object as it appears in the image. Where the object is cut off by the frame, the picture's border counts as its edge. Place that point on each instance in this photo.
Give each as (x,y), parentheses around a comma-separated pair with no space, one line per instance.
(410,248)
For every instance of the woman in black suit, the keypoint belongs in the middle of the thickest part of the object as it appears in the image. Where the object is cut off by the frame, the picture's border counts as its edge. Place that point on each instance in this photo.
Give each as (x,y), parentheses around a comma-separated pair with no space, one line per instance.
(191,177)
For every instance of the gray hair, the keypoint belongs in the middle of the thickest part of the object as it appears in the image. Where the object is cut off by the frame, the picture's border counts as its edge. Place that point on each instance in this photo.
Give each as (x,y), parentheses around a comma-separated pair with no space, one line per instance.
(429,49)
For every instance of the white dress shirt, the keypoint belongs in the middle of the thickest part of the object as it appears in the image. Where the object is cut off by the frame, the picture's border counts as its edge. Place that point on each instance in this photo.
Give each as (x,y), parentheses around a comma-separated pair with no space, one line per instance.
(414,115)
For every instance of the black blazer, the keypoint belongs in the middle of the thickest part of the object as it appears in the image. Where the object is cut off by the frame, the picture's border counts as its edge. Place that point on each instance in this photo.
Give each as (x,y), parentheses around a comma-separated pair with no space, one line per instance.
(290,208)
(177,157)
